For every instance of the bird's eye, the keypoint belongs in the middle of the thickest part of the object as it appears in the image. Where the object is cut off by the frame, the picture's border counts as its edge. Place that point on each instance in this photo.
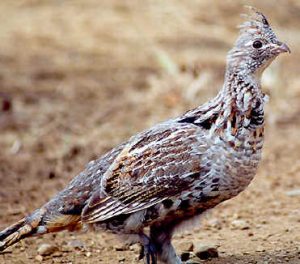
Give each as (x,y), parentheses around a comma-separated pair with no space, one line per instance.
(257,44)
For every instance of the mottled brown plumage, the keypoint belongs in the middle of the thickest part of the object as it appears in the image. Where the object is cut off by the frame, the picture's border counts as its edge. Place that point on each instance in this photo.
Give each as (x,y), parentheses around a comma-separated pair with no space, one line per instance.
(176,170)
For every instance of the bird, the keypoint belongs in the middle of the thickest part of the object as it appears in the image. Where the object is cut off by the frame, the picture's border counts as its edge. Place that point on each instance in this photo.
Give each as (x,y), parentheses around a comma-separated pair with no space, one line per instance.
(164,176)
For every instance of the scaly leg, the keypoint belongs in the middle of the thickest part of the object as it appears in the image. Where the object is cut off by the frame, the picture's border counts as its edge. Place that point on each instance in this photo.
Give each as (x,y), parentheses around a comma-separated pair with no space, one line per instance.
(148,250)
(161,236)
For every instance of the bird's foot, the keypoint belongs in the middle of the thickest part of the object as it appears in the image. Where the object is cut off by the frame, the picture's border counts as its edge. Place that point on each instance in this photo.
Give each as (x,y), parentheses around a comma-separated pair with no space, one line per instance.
(148,251)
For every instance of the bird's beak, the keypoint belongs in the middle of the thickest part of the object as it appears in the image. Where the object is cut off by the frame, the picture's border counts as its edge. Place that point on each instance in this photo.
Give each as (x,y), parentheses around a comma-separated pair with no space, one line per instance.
(281,48)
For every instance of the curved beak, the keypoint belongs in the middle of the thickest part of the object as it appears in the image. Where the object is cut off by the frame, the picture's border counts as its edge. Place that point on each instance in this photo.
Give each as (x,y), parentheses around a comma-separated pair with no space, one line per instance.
(281,48)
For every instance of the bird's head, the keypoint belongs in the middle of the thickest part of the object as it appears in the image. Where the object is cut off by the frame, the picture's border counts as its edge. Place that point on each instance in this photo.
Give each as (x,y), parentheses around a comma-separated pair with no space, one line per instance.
(256,47)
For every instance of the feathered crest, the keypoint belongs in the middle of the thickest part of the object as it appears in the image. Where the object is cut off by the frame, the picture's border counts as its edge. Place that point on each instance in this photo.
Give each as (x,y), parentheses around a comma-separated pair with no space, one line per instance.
(256,24)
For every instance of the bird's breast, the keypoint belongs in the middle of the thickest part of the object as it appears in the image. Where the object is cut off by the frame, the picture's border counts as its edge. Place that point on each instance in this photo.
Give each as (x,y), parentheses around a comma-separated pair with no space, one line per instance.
(230,166)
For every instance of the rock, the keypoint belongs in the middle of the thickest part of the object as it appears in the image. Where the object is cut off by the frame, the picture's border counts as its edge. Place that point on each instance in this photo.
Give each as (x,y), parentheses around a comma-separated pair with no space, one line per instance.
(295,192)
(88,254)
(260,249)
(240,224)
(215,223)
(57,254)
(205,252)
(121,259)
(39,258)
(184,256)
(76,244)
(46,249)
(136,248)
(16,147)
(186,246)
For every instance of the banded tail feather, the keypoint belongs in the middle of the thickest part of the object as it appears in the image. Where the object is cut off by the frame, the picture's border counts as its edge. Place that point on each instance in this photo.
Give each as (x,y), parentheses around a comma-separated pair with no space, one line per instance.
(38,223)
(26,227)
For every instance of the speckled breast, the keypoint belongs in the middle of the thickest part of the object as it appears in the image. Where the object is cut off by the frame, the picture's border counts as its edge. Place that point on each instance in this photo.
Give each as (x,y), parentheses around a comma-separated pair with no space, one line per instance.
(232,164)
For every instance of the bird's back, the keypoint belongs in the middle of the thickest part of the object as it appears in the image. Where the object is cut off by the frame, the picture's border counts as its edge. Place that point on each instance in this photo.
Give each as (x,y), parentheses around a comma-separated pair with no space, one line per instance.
(169,150)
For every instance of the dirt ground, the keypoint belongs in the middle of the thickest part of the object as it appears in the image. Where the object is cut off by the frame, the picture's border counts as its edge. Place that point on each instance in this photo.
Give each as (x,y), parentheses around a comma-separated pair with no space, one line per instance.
(79,77)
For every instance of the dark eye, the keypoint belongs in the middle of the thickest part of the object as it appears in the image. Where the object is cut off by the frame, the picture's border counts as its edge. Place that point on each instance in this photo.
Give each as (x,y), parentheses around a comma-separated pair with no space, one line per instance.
(257,44)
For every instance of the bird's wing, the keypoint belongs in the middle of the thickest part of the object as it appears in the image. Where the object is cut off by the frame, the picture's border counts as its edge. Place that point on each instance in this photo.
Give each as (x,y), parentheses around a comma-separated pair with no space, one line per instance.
(153,166)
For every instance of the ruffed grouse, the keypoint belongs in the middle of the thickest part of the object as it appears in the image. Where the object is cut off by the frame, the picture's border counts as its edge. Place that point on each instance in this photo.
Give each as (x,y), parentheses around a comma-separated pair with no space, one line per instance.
(175,170)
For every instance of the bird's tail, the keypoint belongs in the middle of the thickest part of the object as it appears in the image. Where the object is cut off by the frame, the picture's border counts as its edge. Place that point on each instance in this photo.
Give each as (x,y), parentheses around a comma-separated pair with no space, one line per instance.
(40,222)
(25,227)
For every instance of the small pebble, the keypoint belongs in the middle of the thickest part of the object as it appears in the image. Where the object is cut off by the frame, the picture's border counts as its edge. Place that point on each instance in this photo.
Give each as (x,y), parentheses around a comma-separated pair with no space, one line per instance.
(185,256)
(57,254)
(46,249)
(260,249)
(121,259)
(295,192)
(76,244)
(135,248)
(240,224)
(39,258)
(215,223)
(205,252)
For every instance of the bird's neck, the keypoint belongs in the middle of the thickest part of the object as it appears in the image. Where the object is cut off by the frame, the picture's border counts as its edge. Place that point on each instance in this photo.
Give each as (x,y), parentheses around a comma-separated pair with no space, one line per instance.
(238,107)
(240,92)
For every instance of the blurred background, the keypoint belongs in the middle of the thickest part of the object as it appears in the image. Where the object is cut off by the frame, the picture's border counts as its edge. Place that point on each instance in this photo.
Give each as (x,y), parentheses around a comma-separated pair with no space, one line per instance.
(78,77)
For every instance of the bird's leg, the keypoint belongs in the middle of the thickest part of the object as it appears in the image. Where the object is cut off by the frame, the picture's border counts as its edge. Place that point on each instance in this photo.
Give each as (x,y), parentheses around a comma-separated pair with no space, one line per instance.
(148,250)
(161,237)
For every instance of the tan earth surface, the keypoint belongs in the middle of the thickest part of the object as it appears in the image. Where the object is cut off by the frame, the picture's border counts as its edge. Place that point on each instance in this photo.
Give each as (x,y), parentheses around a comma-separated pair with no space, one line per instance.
(79,77)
